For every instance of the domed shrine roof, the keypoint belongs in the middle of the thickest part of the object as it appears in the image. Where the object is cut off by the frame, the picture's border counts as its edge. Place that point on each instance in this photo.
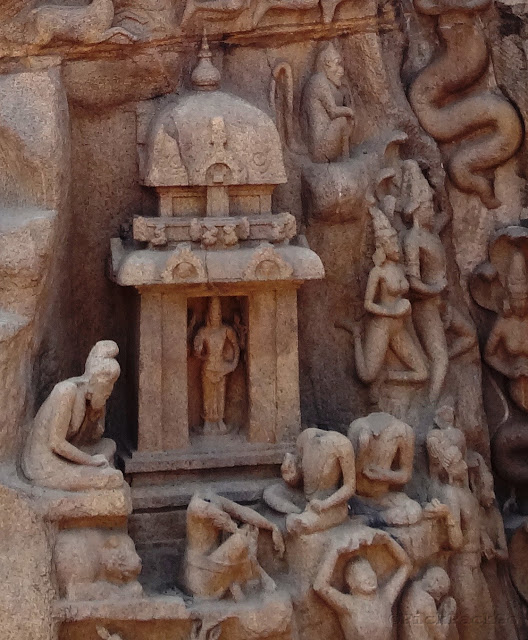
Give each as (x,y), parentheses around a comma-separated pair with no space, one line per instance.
(210,137)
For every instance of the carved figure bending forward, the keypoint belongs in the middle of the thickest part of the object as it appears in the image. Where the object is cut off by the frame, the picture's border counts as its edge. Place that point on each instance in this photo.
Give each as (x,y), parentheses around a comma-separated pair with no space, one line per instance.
(74,412)
(217,345)
(96,564)
(388,306)
(457,504)
(365,612)
(212,566)
(427,611)
(326,109)
(324,467)
(384,464)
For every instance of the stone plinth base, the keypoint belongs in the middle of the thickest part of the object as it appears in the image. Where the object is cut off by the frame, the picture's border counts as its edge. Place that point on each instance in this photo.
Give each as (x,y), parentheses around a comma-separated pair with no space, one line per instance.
(159,618)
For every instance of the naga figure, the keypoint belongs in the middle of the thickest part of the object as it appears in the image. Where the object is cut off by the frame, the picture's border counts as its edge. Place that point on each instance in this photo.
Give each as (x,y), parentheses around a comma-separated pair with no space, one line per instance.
(484,126)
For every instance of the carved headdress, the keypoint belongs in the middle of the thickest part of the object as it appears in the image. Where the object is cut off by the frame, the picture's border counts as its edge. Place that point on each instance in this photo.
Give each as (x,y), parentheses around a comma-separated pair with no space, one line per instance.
(415,190)
(383,231)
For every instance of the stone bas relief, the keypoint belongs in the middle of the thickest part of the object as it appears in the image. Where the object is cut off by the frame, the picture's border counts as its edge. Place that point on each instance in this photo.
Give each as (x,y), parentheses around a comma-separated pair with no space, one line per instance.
(263,309)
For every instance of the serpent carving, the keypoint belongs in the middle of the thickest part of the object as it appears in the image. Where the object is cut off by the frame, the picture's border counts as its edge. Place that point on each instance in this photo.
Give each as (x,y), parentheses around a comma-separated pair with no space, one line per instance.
(484,127)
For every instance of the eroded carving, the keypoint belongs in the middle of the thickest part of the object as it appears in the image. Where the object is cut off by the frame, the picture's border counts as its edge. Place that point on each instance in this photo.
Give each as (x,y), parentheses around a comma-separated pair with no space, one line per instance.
(461,509)
(384,449)
(96,564)
(87,25)
(327,108)
(212,566)
(427,612)
(318,482)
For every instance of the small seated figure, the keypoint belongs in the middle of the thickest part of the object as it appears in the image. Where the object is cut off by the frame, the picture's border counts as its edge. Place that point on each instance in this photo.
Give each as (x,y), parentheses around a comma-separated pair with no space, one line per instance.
(324,466)
(384,449)
(365,612)
(328,116)
(96,564)
(215,566)
(427,612)
(73,417)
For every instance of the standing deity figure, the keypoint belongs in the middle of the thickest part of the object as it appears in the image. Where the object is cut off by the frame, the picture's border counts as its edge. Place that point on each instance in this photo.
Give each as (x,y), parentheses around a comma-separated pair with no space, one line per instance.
(427,611)
(319,480)
(221,556)
(328,116)
(389,308)
(365,612)
(217,345)
(455,501)
(73,417)
(507,346)
(425,264)
(384,449)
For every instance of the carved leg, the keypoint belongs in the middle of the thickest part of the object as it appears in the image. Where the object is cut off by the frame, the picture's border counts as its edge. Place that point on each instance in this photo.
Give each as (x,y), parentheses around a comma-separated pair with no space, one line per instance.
(408,352)
(430,329)
(370,358)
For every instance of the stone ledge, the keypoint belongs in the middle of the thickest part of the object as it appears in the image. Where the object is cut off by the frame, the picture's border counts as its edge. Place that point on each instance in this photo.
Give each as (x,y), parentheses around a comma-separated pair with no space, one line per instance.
(204,456)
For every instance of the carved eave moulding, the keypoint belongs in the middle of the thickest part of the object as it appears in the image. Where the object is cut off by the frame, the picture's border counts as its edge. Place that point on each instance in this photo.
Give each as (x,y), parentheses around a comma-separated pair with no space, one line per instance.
(184,265)
(215,232)
(267,264)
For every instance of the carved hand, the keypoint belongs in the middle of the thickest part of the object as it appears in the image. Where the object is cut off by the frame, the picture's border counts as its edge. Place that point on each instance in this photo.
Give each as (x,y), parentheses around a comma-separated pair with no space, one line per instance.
(99,460)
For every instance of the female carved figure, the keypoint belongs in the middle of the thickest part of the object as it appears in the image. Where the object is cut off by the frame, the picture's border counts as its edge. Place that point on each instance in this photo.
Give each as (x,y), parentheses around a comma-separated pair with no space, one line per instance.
(388,306)
(74,411)
(507,346)
(217,345)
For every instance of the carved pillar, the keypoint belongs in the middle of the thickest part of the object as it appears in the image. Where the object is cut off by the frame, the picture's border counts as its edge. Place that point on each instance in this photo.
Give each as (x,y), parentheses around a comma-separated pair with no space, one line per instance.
(163,423)
(273,366)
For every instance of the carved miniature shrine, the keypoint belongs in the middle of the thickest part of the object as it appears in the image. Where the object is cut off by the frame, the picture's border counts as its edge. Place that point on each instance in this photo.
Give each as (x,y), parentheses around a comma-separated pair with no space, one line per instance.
(263,320)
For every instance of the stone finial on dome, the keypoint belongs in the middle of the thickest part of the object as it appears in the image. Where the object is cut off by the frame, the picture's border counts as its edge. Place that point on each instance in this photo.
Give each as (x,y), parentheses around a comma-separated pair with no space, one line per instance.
(205,76)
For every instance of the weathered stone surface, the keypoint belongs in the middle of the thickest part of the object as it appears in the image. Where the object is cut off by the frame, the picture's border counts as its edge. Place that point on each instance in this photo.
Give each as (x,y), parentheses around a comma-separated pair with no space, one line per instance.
(302,242)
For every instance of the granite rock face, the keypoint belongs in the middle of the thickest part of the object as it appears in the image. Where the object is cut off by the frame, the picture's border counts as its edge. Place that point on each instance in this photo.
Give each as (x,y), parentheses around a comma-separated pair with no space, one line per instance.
(263,320)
